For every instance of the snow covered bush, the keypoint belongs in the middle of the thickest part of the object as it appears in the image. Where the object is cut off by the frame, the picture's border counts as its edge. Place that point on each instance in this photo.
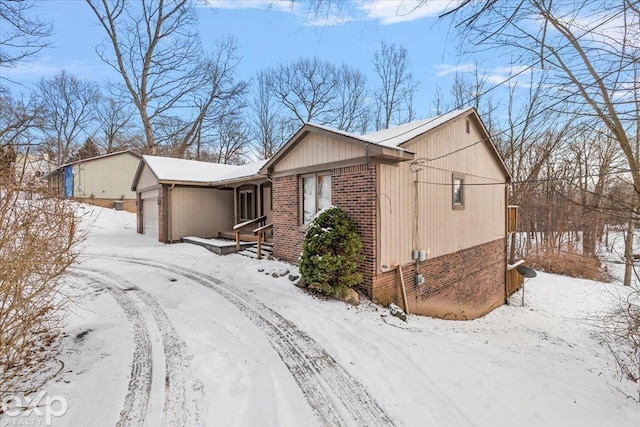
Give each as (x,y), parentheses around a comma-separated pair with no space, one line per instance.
(37,244)
(331,253)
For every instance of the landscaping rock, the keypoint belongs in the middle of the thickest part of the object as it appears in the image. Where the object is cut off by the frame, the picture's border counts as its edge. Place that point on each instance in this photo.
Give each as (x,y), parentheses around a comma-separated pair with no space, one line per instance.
(397,312)
(275,274)
(293,277)
(260,270)
(352,297)
(300,283)
(283,272)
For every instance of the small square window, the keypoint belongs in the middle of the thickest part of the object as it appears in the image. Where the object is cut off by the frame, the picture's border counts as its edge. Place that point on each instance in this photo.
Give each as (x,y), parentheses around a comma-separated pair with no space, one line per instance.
(458,191)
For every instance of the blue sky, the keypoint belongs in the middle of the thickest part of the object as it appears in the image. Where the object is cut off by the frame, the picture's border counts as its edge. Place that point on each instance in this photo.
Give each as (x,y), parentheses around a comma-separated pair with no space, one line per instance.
(272,32)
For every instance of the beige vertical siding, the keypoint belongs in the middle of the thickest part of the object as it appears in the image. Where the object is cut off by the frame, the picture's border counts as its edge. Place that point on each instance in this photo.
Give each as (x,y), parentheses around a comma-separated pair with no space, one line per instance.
(107,177)
(439,228)
(266,197)
(200,212)
(318,149)
(147,179)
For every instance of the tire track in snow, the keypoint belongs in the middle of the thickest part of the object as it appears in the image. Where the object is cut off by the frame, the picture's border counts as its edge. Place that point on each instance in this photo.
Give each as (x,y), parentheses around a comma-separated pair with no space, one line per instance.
(136,401)
(336,397)
(178,409)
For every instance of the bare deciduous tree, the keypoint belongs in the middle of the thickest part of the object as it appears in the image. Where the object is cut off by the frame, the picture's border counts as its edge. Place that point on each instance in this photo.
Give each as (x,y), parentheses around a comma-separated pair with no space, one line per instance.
(21,34)
(68,104)
(155,49)
(306,88)
(231,141)
(17,118)
(115,123)
(312,90)
(589,51)
(353,113)
(394,96)
(266,119)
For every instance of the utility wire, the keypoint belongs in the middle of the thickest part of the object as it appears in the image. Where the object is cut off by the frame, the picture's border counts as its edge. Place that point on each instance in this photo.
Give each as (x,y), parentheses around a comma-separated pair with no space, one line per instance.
(511,77)
(567,179)
(529,117)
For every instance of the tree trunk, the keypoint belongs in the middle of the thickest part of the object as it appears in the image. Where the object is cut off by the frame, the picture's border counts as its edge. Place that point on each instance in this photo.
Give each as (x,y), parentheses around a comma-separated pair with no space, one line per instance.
(628,249)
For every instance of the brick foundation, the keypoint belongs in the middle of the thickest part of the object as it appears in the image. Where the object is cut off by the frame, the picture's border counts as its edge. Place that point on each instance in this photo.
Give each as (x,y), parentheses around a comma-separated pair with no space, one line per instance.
(463,285)
(128,205)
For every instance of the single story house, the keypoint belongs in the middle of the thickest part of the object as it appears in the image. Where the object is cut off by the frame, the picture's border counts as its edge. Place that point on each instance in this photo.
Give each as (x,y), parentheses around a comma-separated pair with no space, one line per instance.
(429,199)
(178,198)
(32,167)
(103,180)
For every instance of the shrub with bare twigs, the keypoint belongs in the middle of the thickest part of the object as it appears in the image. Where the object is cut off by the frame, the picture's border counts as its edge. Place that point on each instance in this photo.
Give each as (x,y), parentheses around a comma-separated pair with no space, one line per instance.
(620,332)
(38,241)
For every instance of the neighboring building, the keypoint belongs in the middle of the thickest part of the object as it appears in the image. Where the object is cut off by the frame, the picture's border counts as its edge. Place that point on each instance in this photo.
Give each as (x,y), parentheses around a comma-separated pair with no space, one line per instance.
(436,185)
(32,167)
(178,198)
(104,180)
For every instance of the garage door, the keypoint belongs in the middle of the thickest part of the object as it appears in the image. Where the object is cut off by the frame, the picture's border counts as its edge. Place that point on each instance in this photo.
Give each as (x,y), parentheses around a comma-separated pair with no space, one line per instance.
(150,217)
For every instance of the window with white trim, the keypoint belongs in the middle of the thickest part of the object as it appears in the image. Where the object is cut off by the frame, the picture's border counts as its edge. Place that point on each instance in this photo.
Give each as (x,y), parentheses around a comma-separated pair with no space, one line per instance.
(316,195)
(457,191)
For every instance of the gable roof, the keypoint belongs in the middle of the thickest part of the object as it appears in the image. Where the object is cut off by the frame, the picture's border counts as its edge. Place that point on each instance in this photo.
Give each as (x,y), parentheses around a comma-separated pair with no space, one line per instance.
(90,159)
(392,138)
(398,135)
(374,150)
(170,170)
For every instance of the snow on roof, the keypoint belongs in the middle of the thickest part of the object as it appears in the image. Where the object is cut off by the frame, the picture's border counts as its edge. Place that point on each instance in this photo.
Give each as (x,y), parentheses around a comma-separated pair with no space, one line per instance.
(365,138)
(243,171)
(395,136)
(171,169)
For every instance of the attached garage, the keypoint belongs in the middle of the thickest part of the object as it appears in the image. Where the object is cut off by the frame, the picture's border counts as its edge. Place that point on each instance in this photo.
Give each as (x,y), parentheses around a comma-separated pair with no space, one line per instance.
(177,198)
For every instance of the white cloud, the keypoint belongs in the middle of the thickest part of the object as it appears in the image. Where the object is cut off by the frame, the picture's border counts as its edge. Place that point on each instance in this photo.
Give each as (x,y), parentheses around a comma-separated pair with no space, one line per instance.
(385,12)
(446,69)
(497,75)
(396,11)
(328,20)
(31,72)
(277,5)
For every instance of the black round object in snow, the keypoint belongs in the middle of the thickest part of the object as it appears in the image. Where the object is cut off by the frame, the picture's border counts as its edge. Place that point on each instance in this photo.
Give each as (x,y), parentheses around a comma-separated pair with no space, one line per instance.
(526,272)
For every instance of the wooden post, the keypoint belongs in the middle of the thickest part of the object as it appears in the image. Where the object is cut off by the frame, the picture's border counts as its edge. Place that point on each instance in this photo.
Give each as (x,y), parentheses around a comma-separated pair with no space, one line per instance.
(404,292)
(260,245)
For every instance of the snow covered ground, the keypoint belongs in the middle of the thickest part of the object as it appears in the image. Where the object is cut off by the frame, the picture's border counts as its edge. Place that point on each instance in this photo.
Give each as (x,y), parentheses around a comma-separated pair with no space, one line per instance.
(176,335)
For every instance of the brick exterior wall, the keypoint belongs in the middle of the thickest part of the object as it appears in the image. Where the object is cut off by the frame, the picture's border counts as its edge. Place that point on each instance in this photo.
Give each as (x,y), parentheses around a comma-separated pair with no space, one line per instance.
(128,205)
(353,189)
(463,285)
(287,232)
